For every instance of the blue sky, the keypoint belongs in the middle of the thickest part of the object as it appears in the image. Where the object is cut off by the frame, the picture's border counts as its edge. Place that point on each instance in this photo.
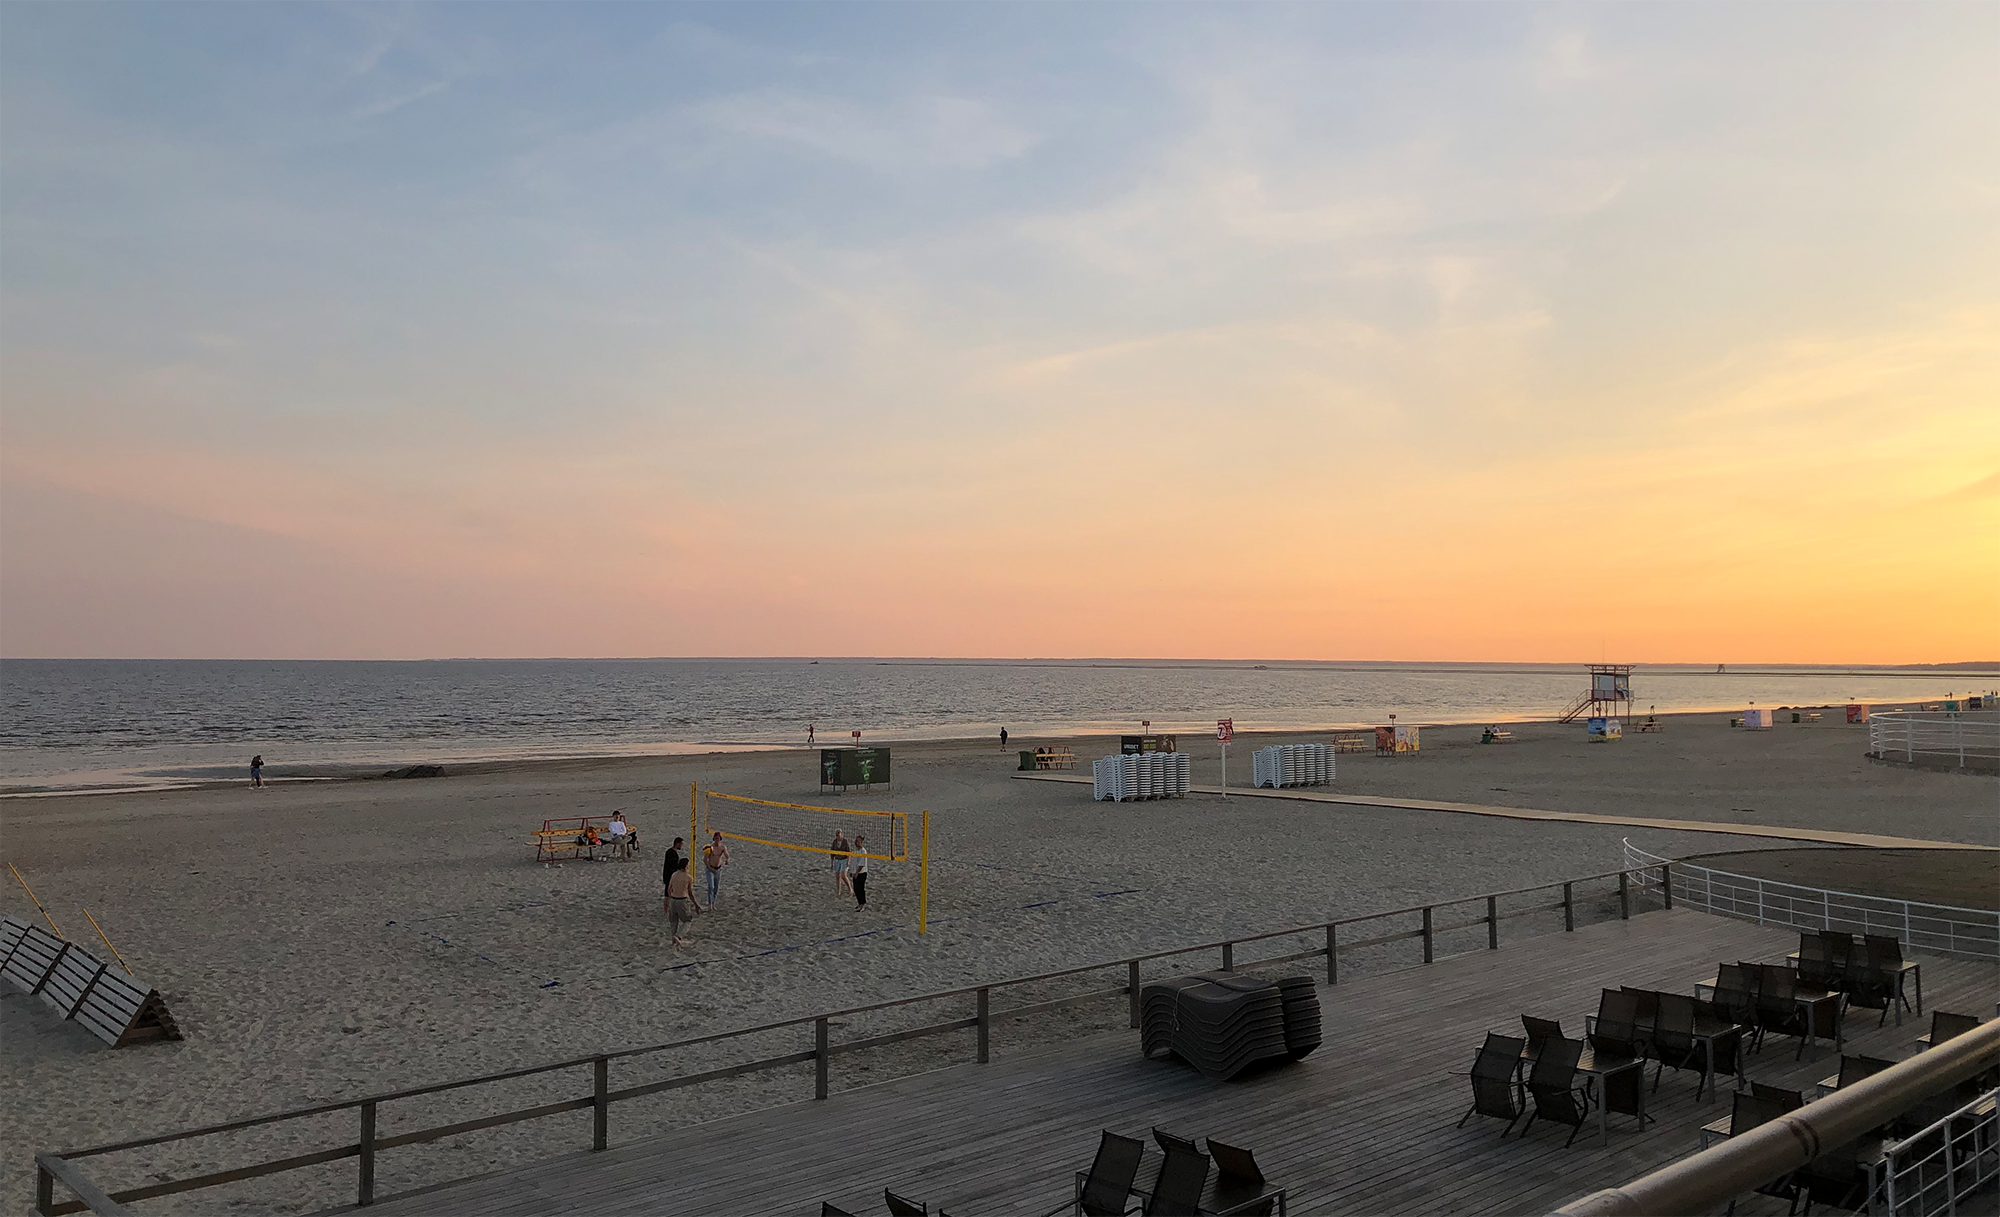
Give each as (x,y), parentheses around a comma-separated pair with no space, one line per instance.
(635,299)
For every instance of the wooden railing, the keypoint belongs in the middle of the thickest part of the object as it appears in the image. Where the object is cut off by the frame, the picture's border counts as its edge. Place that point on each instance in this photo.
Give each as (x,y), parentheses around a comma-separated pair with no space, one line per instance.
(51,1168)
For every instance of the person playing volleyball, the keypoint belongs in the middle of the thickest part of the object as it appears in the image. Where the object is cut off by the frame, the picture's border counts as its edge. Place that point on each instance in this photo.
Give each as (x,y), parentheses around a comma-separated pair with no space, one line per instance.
(840,848)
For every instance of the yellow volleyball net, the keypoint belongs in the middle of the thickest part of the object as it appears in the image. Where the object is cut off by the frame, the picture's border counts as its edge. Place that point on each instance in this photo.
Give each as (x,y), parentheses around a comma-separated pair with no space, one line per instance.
(879,836)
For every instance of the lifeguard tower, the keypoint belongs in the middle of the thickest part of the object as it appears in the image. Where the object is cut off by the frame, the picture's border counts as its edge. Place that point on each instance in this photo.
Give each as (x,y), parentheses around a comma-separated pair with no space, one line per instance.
(1610,694)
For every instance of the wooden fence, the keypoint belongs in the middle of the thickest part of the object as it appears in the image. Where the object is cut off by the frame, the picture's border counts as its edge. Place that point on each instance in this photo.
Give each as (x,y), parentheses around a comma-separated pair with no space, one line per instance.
(51,1168)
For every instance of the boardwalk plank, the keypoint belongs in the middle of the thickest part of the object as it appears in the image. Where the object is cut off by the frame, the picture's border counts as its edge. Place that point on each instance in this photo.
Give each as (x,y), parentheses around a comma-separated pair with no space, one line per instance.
(1362,1125)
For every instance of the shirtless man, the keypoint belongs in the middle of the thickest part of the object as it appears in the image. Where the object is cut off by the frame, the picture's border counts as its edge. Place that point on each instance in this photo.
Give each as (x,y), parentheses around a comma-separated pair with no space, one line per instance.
(714,858)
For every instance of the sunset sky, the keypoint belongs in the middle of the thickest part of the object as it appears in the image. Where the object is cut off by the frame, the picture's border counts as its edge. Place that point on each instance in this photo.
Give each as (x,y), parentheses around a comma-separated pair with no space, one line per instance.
(1647,333)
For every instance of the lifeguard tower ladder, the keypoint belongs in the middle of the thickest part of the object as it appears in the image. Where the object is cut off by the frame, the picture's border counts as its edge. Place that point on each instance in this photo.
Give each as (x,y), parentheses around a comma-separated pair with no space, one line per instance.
(1610,694)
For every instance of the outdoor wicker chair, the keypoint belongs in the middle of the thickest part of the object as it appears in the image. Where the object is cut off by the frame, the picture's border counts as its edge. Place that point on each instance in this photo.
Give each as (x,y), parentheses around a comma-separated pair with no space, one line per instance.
(1235,1165)
(1839,948)
(903,1206)
(1674,1044)
(1495,1092)
(1777,1004)
(1781,1100)
(1106,1189)
(1854,1068)
(1946,1025)
(1748,1110)
(1834,1178)
(1870,987)
(1168,1142)
(1884,952)
(828,1210)
(1736,994)
(1648,1006)
(1237,1174)
(1540,1031)
(1816,966)
(1178,1187)
(1616,1032)
(1562,1093)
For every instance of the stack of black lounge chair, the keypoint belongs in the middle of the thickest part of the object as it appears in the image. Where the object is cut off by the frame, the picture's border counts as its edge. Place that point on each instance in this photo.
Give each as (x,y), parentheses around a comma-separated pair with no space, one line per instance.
(1224,1022)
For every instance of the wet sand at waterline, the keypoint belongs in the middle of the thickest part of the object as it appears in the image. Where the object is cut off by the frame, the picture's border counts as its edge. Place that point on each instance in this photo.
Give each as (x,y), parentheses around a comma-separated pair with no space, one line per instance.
(325,941)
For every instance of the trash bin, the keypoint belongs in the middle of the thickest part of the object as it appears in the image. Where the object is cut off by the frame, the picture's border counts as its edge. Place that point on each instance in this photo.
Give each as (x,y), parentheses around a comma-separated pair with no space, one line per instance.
(1027,760)
(1795,716)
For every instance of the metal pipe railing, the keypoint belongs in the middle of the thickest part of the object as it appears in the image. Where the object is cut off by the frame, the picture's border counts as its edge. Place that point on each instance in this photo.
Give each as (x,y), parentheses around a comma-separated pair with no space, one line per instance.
(1743,1163)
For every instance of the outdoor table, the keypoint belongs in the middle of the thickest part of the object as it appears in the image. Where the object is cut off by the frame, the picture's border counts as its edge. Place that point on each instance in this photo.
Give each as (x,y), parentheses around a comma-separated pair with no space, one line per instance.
(1911,968)
(1812,1002)
(1707,1031)
(1220,1196)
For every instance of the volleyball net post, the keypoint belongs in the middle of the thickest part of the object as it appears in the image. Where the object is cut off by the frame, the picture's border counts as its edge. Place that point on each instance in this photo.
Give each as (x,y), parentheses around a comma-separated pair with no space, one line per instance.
(780,820)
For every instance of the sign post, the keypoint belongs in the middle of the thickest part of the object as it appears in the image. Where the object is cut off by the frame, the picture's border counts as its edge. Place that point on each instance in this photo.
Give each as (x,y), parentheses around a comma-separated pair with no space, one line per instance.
(1225,730)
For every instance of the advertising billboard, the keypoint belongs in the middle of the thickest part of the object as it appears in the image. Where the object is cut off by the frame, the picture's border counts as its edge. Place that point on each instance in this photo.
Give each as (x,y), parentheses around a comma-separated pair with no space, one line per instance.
(853,766)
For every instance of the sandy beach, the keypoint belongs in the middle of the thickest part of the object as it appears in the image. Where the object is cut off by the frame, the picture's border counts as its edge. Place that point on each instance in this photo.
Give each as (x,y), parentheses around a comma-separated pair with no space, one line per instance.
(320,941)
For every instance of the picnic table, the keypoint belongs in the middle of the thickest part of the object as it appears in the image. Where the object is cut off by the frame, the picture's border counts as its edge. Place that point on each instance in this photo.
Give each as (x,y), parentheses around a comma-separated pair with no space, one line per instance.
(580,836)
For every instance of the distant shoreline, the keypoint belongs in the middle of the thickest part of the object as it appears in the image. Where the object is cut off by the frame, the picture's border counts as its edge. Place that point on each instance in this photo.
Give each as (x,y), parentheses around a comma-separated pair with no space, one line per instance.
(481,763)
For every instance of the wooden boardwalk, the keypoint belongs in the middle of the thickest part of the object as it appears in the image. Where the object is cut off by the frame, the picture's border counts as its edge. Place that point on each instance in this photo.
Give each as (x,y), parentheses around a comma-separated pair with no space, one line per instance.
(1821,836)
(1363,1125)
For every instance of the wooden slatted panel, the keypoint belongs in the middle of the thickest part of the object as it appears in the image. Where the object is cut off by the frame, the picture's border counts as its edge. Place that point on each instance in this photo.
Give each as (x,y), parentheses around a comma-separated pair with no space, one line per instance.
(73,977)
(112,1007)
(1363,1125)
(12,931)
(33,959)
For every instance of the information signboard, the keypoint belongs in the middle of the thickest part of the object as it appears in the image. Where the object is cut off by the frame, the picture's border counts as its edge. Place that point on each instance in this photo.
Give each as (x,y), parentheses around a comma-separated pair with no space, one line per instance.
(844,767)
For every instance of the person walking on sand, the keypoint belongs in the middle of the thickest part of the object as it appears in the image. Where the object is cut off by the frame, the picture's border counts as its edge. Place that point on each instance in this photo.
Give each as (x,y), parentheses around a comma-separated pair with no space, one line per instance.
(680,903)
(840,848)
(667,869)
(257,770)
(809,735)
(1003,739)
(713,858)
(860,873)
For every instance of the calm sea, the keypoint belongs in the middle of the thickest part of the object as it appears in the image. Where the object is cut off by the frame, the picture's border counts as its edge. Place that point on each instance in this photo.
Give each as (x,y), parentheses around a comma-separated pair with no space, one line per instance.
(82,724)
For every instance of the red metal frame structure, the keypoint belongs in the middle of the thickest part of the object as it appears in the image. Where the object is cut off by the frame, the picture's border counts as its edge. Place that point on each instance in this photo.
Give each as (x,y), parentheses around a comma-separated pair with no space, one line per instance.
(1609,695)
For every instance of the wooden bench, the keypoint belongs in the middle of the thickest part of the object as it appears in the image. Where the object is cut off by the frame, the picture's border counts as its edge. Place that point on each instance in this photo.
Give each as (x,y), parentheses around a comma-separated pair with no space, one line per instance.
(1496,737)
(1055,758)
(103,999)
(31,956)
(1351,743)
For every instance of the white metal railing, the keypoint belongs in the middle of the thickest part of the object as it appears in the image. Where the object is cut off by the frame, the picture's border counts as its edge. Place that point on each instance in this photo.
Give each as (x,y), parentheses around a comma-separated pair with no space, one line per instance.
(1956,738)
(1938,928)
(1935,1170)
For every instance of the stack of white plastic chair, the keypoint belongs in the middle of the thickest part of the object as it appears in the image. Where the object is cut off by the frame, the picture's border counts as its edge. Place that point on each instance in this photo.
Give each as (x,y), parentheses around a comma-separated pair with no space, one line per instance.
(1264,768)
(1107,774)
(1292,765)
(1149,775)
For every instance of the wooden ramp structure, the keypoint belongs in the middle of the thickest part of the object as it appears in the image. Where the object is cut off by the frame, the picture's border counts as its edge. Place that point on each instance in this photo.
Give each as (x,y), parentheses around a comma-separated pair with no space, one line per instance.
(103,999)
(1363,1125)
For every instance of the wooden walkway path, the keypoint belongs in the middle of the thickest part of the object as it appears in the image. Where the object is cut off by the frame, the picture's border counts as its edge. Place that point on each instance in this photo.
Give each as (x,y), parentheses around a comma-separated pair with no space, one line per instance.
(1821,836)
(1363,1125)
